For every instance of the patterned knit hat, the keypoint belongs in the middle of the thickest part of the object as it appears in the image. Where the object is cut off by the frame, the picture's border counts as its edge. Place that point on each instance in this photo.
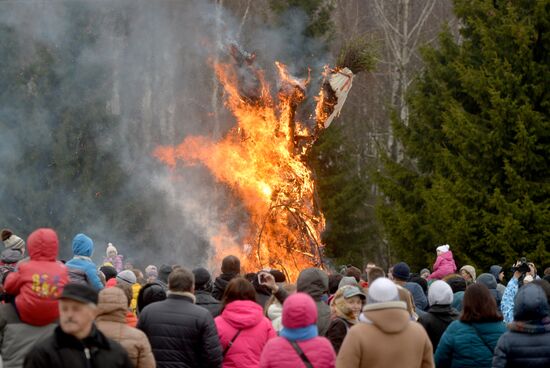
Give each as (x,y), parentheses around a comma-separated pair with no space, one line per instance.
(12,241)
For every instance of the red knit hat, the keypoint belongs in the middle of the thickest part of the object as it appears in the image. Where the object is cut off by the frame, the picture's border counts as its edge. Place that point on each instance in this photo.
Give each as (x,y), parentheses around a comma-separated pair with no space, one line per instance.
(299,310)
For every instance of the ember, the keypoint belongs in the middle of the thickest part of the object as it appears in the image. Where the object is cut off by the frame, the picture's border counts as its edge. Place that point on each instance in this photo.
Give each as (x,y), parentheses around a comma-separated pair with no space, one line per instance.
(262,160)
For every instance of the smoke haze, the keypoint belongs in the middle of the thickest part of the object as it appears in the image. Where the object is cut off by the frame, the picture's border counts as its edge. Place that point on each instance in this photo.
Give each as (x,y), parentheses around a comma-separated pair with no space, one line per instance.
(145,67)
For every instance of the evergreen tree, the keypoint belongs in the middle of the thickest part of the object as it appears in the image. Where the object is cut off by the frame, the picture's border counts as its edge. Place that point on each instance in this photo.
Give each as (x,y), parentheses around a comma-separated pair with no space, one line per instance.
(477,171)
(344,193)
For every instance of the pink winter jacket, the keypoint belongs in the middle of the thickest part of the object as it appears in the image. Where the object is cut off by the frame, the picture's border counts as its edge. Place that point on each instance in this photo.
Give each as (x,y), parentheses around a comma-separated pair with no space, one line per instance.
(299,311)
(246,316)
(444,265)
(278,353)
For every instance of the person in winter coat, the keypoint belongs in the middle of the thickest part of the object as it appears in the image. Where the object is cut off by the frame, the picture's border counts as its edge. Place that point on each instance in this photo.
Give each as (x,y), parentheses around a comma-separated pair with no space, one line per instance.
(77,342)
(111,320)
(489,280)
(314,282)
(347,304)
(444,264)
(242,327)
(114,258)
(507,302)
(527,343)
(81,268)
(181,334)
(299,330)
(39,281)
(203,292)
(498,273)
(471,341)
(231,268)
(385,336)
(17,338)
(401,275)
(440,314)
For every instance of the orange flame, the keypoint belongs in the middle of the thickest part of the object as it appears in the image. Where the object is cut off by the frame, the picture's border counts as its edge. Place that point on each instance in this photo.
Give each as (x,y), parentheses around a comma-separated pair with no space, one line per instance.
(262,161)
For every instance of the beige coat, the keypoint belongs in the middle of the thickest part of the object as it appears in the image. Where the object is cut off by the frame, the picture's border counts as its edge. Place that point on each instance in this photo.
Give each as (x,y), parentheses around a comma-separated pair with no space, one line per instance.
(111,320)
(386,338)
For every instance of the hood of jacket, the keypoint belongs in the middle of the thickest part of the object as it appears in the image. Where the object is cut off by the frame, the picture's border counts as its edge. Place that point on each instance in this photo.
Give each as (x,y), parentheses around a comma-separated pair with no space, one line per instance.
(495,270)
(530,304)
(83,245)
(222,281)
(43,245)
(112,305)
(11,256)
(488,280)
(390,317)
(447,256)
(242,314)
(150,293)
(314,282)
(445,313)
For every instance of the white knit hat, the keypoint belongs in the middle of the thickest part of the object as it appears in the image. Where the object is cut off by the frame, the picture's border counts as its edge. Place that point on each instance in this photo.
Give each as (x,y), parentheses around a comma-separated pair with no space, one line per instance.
(440,293)
(111,248)
(443,248)
(382,290)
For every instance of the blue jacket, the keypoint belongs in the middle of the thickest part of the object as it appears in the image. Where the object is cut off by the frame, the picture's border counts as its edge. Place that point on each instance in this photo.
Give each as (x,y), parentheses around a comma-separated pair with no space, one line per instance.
(527,344)
(461,346)
(419,298)
(507,302)
(83,247)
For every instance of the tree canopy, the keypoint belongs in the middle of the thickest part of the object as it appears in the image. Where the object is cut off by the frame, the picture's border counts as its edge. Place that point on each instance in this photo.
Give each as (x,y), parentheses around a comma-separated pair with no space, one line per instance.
(477,144)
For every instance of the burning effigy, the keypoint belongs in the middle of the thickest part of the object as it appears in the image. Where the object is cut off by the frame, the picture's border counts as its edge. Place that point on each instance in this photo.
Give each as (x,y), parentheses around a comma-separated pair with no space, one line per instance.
(262,160)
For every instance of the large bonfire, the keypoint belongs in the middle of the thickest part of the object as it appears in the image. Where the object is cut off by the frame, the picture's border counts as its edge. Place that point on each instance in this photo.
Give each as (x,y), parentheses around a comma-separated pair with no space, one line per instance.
(262,159)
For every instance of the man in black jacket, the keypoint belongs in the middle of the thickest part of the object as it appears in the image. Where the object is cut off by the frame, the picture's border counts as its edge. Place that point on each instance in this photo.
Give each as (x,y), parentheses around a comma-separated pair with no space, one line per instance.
(203,291)
(181,334)
(231,268)
(76,342)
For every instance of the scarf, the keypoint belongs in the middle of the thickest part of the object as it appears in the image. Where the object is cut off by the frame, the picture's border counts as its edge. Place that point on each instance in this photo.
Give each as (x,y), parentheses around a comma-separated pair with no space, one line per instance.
(298,334)
(531,327)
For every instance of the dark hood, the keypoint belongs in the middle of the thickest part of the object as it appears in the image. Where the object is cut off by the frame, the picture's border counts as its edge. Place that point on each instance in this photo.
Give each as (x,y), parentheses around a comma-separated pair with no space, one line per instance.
(150,293)
(314,282)
(530,304)
(164,272)
(445,313)
(488,280)
(495,270)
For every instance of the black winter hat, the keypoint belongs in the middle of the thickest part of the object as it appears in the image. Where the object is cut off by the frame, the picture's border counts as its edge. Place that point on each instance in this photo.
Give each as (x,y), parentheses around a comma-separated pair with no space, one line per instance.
(202,277)
(164,271)
(80,293)
(457,283)
(401,271)
(109,272)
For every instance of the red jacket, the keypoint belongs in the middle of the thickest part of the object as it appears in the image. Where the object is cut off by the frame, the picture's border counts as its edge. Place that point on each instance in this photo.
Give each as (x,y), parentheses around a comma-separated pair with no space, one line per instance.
(246,316)
(38,282)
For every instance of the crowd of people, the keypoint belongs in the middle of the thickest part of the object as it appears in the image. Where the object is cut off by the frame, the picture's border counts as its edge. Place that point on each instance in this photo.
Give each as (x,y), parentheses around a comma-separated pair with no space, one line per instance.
(79,314)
